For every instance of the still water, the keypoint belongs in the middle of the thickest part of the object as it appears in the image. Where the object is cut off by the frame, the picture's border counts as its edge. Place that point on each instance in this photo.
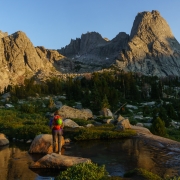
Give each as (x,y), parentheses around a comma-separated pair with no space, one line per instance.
(119,156)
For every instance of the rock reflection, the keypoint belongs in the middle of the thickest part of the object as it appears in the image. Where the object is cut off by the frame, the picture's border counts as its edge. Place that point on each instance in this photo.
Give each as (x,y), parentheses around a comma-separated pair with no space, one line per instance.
(14,164)
(5,153)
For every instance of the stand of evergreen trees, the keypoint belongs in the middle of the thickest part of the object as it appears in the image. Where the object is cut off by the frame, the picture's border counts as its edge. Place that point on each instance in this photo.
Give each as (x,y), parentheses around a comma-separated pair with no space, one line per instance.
(109,87)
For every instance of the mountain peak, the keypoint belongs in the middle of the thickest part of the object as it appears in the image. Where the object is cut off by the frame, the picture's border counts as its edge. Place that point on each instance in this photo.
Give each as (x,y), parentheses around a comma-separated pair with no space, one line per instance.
(149,24)
(152,48)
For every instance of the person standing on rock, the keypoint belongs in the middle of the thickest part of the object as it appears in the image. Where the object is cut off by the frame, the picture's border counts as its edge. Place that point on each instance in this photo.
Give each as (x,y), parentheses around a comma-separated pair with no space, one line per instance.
(57,131)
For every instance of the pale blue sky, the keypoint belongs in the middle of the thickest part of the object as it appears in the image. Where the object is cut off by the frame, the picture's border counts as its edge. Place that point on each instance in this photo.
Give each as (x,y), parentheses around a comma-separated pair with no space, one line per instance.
(53,23)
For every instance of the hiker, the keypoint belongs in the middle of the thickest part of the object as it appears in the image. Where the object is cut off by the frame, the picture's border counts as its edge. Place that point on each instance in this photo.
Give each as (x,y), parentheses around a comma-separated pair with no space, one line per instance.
(56,124)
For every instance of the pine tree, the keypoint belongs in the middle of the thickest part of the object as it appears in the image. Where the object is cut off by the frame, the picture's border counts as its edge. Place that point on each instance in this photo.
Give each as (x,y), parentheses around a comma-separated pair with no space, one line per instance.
(158,127)
(105,103)
(51,103)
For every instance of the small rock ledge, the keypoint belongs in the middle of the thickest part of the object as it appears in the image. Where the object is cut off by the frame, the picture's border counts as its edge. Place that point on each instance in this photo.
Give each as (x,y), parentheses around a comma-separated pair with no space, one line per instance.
(58,161)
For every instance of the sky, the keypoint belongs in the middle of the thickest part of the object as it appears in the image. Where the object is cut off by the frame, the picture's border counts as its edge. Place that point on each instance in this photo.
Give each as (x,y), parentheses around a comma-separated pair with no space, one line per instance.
(53,23)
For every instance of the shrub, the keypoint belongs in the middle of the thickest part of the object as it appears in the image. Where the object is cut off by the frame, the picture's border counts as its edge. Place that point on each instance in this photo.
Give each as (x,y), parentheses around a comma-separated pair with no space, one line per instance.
(174,178)
(30,131)
(140,173)
(158,127)
(133,121)
(173,134)
(84,171)
(28,108)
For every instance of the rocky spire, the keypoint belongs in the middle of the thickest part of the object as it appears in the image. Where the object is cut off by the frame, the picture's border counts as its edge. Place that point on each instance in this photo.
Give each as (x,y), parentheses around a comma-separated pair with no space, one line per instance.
(152,48)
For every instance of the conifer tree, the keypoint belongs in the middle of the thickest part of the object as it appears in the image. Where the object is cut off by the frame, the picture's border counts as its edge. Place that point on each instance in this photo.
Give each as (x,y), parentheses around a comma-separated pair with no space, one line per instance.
(158,127)
(105,103)
(51,103)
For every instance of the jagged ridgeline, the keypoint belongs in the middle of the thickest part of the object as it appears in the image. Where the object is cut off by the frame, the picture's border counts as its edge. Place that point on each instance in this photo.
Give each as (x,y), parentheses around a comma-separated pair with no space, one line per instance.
(150,49)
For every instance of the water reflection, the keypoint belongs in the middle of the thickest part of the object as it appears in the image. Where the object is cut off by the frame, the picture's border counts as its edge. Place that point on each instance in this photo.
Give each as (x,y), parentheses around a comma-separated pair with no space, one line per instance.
(119,156)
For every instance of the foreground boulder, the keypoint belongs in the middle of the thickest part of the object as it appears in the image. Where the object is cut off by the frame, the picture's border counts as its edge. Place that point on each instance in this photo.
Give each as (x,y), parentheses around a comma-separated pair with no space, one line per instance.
(58,161)
(43,144)
(69,112)
(3,140)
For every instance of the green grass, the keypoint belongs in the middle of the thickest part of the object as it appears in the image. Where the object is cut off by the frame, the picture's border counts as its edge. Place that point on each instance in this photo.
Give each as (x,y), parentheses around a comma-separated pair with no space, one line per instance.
(102,132)
(16,124)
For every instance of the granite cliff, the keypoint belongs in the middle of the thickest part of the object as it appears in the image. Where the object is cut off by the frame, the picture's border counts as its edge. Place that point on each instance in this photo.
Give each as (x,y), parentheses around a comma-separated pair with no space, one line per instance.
(150,49)
(91,48)
(19,60)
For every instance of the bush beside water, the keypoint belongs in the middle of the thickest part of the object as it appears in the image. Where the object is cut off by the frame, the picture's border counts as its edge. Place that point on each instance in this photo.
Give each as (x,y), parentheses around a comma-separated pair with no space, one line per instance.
(91,171)
(103,132)
(84,171)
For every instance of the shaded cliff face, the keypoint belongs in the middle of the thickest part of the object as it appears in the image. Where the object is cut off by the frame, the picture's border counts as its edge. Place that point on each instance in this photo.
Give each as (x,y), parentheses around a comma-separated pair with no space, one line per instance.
(91,48)
(152,48)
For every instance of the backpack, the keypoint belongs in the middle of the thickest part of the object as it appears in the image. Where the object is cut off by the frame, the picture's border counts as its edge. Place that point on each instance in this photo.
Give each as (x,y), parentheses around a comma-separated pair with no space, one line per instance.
(57,122)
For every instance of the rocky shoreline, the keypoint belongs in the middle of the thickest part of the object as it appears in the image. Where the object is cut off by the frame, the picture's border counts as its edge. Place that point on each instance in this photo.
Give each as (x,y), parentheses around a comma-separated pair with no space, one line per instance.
(157,141)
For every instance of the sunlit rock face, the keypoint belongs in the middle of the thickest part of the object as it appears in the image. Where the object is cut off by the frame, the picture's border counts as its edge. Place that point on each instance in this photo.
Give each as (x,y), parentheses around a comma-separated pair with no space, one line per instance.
(152,48)
(19,59)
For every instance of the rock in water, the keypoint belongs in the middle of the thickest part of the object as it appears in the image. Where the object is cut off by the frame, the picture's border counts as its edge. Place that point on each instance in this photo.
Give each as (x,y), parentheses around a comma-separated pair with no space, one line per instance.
(58,161)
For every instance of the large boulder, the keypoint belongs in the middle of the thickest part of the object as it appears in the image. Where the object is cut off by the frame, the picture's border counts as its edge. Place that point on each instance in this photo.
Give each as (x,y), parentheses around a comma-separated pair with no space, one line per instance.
(69,112)
(43,144)
(123,124)
(120,118)
(3,140)
(70,123)
(58,161)
(106,112)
